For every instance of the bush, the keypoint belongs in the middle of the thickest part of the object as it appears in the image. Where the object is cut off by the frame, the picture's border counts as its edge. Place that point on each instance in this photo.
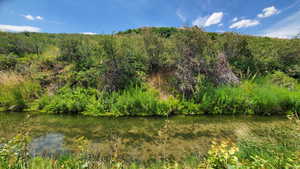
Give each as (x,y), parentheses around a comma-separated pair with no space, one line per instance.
(133,102)
(140,102)
(155,49)
(7,62)
(123,65)
(79,52)
(282,80)
(67,100)
(21,46)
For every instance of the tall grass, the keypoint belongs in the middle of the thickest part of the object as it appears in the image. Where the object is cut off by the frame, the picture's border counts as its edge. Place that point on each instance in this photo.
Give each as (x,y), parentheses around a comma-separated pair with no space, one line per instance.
(16,92)
(134,101)
(261,98)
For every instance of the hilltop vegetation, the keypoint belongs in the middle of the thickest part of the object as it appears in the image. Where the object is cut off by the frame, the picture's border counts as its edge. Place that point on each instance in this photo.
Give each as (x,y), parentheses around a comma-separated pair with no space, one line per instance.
(194,72)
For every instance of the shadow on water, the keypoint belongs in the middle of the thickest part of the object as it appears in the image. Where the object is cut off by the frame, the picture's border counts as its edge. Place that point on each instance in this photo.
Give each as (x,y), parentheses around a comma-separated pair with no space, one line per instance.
(138,137)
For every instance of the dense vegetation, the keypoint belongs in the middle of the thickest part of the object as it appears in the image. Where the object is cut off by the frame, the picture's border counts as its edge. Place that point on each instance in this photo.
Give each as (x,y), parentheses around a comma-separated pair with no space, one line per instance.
(149,71)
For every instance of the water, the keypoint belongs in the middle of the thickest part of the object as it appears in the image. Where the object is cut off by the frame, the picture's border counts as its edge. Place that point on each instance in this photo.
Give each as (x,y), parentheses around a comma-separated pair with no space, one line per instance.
(136,138)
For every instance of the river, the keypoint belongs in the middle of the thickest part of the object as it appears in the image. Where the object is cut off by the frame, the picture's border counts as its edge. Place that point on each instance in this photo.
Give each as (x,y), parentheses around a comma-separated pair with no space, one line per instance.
(139,138)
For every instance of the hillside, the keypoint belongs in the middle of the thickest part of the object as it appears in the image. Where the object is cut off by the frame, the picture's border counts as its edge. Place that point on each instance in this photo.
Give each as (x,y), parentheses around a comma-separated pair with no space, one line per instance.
(149,71)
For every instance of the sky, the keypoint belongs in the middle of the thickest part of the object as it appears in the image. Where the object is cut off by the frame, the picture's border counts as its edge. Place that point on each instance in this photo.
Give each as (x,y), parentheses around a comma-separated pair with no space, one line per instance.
(273,18)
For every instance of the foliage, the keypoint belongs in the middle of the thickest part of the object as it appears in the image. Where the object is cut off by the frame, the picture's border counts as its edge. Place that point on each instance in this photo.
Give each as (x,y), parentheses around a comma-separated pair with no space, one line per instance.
(79,52)
(100,71)
(14,153)
(7,62)
(223,155)
(155,49)
(16,92)
(164,32)
(264,98)
(282,80)
(140,102)
(67,100)
(193,52)
(122,66)
(132,102)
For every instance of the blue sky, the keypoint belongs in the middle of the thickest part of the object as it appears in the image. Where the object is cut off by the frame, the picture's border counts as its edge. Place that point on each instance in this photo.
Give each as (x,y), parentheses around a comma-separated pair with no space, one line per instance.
(275,18)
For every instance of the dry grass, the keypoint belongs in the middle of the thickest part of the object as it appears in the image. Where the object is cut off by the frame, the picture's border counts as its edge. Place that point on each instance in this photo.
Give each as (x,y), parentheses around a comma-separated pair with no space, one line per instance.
(159,82)
(10,78)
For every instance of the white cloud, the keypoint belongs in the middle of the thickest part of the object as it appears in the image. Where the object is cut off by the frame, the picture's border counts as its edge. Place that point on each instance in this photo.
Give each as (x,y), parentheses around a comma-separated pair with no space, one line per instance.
(213,19)
(39,18)
(267,12)
(221,24)
(234,19)
(200,21)
(206,21)
(89,33)
(32,18)
(12,28)
(245,23)
(289,27)
(181,16)
(29,17)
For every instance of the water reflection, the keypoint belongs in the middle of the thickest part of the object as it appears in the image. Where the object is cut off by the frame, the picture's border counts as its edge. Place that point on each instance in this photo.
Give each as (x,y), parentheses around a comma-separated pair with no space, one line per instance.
(48,145)
(136,138)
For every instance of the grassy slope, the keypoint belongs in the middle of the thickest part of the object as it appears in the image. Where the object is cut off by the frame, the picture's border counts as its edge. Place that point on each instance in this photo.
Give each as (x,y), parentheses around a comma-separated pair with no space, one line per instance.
(106,75)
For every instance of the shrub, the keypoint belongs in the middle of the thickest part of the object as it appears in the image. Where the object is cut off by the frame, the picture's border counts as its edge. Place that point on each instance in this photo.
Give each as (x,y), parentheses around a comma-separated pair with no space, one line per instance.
(122,66)
(67,100)
(134,101)
(7,62)
(82,53)
(155,48)
(193,56)
(21,46)
(140,102)
(282,80)
(188,107)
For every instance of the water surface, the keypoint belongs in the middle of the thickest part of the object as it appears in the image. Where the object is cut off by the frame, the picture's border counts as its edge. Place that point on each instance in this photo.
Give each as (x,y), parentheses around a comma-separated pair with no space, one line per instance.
(138,138)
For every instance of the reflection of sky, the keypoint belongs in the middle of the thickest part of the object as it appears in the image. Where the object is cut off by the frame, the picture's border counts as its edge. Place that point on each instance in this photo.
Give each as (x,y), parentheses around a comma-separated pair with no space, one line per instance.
(47,145)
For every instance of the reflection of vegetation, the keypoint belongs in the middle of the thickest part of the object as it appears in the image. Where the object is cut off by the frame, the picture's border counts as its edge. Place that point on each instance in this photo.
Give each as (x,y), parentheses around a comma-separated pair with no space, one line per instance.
(276,149)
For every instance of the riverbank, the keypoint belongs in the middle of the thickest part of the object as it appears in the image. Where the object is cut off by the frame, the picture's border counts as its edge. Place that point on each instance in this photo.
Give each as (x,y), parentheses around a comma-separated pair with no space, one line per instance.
(275,94)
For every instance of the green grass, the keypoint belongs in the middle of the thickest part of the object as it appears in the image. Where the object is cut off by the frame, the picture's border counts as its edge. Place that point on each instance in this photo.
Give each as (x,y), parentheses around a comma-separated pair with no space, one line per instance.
(250,97)
(16,92)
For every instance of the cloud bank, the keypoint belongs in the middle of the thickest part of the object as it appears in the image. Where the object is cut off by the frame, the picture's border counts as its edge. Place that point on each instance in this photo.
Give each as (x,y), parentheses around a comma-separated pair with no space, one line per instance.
(12,28)
(88,33)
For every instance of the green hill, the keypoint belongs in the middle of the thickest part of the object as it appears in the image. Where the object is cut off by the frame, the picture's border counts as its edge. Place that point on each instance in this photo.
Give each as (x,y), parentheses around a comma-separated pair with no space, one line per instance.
(149,71)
